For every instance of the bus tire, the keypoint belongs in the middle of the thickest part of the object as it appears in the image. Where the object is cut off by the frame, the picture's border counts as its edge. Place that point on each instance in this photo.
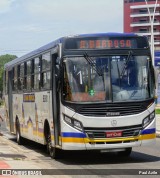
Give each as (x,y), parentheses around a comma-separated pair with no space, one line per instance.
(18,133)
(55,153)
(125,153)
(52,151)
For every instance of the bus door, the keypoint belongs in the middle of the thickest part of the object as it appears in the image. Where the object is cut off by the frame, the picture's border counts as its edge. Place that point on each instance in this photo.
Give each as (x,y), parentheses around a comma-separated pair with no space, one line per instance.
(10,100)
(55,99)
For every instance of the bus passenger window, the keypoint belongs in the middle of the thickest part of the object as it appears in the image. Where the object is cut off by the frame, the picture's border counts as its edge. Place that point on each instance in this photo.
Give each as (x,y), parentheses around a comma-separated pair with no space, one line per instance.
(46,62)
(22,76)
(6,82)
(15,79)
(28,75)
(25,76)
(36,81)
(37,69)
(19,79)
(46,80)
(28,82)
(46,65)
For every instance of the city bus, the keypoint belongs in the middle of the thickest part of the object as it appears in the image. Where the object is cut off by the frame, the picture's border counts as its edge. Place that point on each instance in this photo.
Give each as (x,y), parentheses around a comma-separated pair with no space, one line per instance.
(83,92)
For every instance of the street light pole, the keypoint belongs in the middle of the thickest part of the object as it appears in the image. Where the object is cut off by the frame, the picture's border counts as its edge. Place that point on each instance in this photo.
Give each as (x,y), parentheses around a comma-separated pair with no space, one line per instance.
(151,17)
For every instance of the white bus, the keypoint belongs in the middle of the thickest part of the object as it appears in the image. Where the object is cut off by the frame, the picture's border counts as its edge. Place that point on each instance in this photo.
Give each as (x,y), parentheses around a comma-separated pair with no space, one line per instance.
(84,92)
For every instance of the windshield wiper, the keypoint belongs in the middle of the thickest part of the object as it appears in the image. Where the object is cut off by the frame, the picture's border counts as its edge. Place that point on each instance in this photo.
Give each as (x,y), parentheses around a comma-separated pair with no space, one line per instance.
(125,65)
(92,64)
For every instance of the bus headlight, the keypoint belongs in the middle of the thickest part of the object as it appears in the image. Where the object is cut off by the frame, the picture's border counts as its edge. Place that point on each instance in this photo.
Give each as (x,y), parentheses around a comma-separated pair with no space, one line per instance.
(74,123)
(148,119)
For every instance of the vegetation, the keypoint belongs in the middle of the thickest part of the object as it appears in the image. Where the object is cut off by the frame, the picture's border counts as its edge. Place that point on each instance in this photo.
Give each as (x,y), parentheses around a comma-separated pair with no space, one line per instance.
(3,60)
(157,111)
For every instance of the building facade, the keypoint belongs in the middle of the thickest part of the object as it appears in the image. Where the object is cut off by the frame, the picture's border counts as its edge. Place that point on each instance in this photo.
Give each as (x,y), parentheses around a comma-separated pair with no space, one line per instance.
(137,19)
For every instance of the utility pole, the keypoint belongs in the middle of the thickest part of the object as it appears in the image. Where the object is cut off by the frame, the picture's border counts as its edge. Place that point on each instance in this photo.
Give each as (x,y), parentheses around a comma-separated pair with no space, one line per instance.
(151,18)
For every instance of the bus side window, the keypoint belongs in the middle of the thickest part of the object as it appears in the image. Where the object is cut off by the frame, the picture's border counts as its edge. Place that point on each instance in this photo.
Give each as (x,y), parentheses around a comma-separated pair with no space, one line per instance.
(21,78)
(46,66)
(28,75)
(6,82)
(37,70)
(25,77)
(32,74)
(18,78)
(15,78)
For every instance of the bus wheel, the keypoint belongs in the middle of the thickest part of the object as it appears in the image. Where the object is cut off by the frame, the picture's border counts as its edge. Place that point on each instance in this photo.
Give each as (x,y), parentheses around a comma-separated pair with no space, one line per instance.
(18,134)
(52,151)
(125,153)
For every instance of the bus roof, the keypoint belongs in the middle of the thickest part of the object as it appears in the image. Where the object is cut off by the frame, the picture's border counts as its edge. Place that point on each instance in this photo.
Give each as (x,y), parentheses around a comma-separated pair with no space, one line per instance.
(107,35)
(60,40)
(33,53)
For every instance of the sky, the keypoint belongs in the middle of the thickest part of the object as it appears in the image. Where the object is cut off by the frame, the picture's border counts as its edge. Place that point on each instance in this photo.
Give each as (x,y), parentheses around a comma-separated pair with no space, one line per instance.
(26,25)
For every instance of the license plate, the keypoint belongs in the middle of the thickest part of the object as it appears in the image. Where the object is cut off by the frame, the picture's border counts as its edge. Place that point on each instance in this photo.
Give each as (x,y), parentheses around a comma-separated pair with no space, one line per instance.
(114,134)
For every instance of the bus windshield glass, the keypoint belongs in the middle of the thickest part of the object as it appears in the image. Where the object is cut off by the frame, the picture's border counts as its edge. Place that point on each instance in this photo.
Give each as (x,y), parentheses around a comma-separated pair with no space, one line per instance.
(106,78)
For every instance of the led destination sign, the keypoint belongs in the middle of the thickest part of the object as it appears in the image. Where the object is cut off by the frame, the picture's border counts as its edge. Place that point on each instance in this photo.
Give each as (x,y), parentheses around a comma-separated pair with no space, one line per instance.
(100,44)
(106,43)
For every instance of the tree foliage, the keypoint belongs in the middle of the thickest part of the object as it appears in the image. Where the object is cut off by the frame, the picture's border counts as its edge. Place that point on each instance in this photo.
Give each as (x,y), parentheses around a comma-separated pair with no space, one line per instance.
(3,60)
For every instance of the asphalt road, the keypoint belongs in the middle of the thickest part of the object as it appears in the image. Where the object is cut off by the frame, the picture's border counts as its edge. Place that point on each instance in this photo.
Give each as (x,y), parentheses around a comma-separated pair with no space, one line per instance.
(85,164)
(88,164)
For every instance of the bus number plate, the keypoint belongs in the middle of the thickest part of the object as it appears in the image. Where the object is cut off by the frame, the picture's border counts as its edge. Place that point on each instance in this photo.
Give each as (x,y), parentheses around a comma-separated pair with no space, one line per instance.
(114,134)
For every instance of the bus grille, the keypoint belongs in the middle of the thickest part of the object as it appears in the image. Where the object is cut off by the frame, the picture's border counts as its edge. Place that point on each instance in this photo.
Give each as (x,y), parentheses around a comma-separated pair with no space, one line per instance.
(100,133)
(108,110)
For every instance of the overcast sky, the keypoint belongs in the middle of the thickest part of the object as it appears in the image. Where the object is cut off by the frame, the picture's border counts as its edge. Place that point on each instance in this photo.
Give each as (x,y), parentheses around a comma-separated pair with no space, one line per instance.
(28,24)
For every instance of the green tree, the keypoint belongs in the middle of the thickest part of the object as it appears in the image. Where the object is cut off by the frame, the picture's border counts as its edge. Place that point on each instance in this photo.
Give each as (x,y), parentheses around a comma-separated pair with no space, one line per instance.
(3,60)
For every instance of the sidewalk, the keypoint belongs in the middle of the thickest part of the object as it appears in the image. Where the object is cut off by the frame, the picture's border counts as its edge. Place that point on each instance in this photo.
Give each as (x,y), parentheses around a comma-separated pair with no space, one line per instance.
(158,125)
(158,122)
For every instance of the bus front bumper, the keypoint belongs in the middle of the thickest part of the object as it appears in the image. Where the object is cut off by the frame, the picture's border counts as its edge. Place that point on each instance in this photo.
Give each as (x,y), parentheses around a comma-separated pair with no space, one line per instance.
(79,141)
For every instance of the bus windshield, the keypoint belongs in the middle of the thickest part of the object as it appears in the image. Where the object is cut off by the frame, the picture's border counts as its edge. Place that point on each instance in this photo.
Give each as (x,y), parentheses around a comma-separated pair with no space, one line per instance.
(106,78)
